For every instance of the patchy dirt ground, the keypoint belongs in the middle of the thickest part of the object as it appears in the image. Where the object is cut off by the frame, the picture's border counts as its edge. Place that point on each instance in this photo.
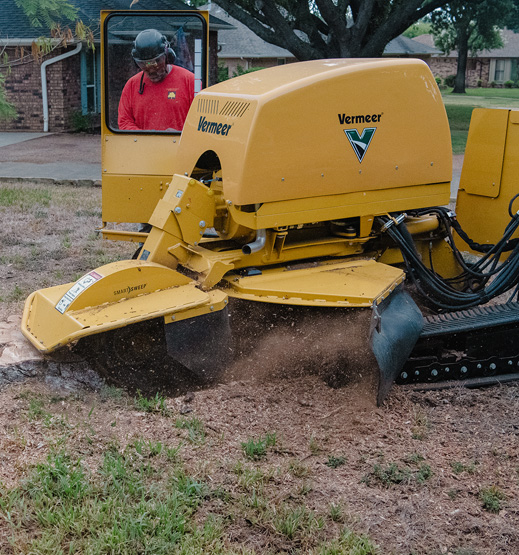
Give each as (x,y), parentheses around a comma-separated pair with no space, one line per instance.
(411,474)
(428,472)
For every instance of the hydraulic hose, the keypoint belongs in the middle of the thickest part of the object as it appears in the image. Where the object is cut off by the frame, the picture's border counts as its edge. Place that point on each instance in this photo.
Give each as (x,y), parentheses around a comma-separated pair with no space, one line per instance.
(493,277)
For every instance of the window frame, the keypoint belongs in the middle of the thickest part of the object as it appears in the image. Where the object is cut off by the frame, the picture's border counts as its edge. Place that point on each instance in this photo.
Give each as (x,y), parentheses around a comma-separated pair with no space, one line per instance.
(150,14)
(96,85)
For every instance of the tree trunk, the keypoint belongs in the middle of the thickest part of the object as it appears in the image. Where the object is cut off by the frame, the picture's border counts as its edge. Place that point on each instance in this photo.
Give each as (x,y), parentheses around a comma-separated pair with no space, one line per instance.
(463,49)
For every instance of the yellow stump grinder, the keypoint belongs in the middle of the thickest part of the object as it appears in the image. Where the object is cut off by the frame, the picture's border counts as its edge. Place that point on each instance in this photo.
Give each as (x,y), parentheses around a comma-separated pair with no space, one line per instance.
(309,212)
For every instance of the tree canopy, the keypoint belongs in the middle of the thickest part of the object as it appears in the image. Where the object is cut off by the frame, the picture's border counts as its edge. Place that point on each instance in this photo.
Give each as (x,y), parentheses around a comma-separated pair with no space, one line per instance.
(512,18)
(45,13)
(313,29)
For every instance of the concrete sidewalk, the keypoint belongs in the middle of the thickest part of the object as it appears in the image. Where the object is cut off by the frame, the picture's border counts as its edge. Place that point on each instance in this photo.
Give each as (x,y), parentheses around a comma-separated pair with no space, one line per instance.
(67,158)
(457,164)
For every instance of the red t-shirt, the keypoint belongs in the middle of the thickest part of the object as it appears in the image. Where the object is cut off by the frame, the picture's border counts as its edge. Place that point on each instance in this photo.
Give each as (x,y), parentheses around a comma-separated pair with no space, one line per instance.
(162,105)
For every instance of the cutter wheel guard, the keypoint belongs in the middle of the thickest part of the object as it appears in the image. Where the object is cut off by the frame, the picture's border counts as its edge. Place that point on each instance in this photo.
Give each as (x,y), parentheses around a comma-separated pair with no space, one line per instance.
(308,210)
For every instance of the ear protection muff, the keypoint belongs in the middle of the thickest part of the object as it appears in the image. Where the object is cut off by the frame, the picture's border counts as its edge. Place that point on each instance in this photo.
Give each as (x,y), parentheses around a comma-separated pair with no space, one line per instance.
(170,54)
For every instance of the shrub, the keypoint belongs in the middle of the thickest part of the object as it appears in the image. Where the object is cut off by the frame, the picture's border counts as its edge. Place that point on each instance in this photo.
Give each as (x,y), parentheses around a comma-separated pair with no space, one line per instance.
(223,71)
(491,499)
(509,84)
(440,83)
(7,110)
(449,80)
(241,71)
(83,123)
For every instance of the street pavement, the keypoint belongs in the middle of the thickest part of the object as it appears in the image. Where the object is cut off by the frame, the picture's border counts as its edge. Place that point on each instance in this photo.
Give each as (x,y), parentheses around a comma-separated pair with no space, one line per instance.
(14,137)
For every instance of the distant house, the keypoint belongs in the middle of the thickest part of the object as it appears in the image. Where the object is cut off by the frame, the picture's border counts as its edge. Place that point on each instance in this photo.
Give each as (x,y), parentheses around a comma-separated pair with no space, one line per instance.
(403,47)
(54,93)
(486,68)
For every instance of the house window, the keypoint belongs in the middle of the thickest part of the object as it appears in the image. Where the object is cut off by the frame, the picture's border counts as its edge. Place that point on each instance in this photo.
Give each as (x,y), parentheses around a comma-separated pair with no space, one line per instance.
(282,61)
(499,75)
(90,81)
(514,74)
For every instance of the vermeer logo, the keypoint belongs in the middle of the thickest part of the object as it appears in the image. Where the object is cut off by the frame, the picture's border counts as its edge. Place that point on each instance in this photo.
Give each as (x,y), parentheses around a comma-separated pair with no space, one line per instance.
(213,127)
(360,143)
(368,118)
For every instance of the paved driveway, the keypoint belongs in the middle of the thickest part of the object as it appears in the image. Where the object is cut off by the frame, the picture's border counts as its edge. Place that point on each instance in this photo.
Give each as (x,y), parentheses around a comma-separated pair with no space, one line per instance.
(67,156)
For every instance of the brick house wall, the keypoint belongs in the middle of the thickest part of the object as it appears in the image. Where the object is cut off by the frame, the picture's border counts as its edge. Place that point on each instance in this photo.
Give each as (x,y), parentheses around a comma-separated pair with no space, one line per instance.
(64,93)
(23,90)
(477,74)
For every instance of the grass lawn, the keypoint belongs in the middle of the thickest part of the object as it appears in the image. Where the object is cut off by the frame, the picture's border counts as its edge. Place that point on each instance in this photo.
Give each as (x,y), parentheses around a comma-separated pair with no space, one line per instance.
(459,109)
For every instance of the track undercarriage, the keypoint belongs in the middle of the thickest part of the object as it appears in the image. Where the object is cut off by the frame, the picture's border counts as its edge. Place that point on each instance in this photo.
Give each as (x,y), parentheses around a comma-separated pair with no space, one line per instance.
(474,347)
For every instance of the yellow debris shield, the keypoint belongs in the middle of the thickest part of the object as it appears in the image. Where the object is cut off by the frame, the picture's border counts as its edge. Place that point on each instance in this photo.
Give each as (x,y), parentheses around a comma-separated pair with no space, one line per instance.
(112,296)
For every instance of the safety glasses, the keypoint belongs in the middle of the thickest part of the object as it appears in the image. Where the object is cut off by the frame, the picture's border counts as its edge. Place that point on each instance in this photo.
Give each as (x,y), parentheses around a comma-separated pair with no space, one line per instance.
(151,64)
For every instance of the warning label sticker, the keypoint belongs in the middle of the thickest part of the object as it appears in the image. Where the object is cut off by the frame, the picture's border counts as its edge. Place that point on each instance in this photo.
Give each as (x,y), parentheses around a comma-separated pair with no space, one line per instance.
(81,284)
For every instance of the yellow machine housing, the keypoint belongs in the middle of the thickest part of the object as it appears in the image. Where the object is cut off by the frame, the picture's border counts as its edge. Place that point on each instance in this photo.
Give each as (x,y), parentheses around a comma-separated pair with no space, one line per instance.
(301,133)
(488,182)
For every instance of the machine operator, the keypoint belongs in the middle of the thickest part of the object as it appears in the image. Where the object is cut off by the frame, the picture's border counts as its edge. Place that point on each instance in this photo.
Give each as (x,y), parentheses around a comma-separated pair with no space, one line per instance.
(158,97)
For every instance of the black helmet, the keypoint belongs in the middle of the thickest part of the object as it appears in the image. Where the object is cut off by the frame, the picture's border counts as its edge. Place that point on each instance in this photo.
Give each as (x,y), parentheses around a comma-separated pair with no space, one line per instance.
(150,44)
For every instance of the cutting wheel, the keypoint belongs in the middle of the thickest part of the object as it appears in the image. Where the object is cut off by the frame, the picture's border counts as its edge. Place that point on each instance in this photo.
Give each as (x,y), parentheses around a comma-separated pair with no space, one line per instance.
(135,358)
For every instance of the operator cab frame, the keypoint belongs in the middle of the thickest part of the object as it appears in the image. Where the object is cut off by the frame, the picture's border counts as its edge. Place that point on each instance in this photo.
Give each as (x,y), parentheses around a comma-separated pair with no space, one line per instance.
(137,165)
